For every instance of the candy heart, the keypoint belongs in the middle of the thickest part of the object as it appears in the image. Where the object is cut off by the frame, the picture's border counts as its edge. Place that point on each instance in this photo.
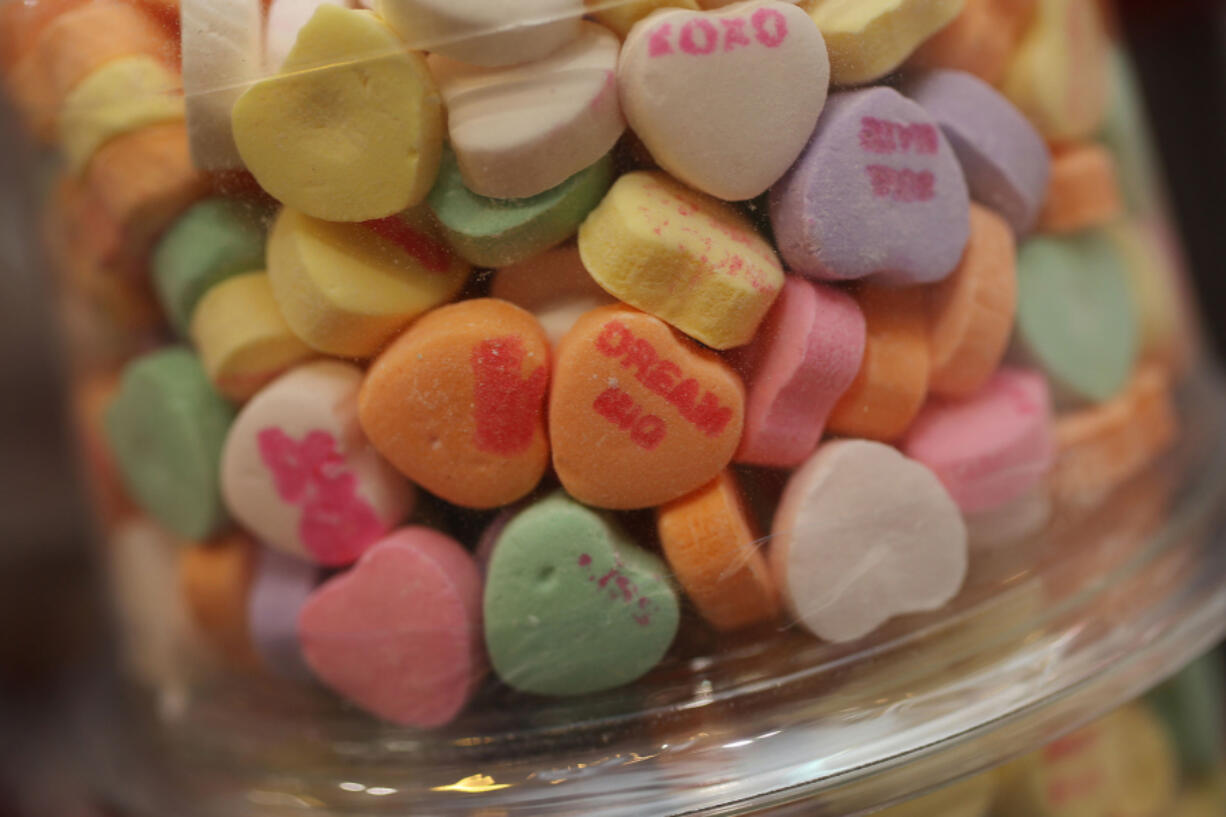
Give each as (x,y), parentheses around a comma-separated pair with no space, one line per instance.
(400,633)
(351,129)
(521,130)
(457,403)
(298,472)
(572,605)
(280,589)
(702,88)
(637,415)
(554,286)
(990,448)
(863,534)
(877,191)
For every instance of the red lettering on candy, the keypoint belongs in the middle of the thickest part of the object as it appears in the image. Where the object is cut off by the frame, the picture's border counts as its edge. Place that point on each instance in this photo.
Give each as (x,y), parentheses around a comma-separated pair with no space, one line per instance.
(621,589)
(734,33)
(770,36)
(660,376)
(884,137)
(430,253)
(336,524)
(903,185)
(699,37)
(506,405)
(658,44)
(710,37)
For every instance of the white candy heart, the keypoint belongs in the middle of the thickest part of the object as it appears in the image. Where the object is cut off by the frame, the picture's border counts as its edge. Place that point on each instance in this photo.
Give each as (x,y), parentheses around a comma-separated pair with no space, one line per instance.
(863,534)
(522,130)
(484,32)
(725,100)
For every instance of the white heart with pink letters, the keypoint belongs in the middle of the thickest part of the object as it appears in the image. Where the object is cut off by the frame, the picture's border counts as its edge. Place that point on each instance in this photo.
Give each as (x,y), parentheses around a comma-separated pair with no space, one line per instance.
(725,100)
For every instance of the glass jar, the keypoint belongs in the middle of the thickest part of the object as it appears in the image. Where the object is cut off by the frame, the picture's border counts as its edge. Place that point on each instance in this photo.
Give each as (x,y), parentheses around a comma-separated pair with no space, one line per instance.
(622,407)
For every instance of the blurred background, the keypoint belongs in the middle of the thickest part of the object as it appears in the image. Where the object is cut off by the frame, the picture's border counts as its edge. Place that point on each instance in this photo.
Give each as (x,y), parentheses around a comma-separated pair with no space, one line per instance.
(49,621)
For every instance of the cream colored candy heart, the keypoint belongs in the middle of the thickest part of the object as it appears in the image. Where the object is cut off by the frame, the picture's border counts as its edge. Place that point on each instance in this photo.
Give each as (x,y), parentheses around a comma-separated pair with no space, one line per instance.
(298,473)
(484,32)
(863,534)
(522,130)
(222,44)
(725,100)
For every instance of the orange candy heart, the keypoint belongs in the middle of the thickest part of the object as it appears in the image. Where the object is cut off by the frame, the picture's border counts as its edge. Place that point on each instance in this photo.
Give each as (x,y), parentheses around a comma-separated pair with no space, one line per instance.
(457,403)
(639,415)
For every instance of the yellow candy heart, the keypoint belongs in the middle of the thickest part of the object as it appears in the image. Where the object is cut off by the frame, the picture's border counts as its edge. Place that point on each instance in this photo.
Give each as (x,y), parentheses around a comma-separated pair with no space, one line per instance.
(346,289)
(868,39)
(682,256)
(243,340)
(352,127)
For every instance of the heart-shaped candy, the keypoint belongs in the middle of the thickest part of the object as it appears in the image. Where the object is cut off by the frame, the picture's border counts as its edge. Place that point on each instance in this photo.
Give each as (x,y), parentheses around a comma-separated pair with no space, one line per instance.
(298,472)
(458,403)
(572,605)
(863,534)
(400,633)
(704,89)
(639,416)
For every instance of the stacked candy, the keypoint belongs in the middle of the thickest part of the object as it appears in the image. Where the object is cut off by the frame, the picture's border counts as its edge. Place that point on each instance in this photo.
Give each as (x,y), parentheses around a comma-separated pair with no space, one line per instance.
(921,301)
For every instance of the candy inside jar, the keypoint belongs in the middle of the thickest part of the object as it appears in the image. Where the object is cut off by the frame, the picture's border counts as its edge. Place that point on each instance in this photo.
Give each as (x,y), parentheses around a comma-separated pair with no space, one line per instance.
(468,348)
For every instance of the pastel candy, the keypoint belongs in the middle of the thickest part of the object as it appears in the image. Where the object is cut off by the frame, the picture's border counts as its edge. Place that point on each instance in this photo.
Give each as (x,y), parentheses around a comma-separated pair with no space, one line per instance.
(971,313)
(457,403)
(691,81)
(1153,277)
(863,534)
(166,428)
(684,257)
(399,634)
(1075,316)
(980,40)
(870,38)
(215,579)
(123,95)
(285,19)
(1003,157)
(805,356)
(572,605)
(346,289)
(499,232)
(1101,447)
(211,241)
(713,549)
(554,286)
(299,474)
(485,32)
(1060,76)
(243,340)
(279,590)
(222,54)
(878,191)
(990,448)
(620,18)
(342,134)
(524,129)
(1084,192)
(639,416)
(971,797)
(890,387)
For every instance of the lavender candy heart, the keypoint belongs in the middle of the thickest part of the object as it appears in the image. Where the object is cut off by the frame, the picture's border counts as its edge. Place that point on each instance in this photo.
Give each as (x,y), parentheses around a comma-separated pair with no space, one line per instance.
(1006,162)
(877,192)
(282,584)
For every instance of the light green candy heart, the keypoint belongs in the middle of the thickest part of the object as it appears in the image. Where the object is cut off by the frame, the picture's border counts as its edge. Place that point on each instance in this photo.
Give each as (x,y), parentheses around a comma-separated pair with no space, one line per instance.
(165,428)
(572,606)
(1075,315)
(215,239)
(499,232)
